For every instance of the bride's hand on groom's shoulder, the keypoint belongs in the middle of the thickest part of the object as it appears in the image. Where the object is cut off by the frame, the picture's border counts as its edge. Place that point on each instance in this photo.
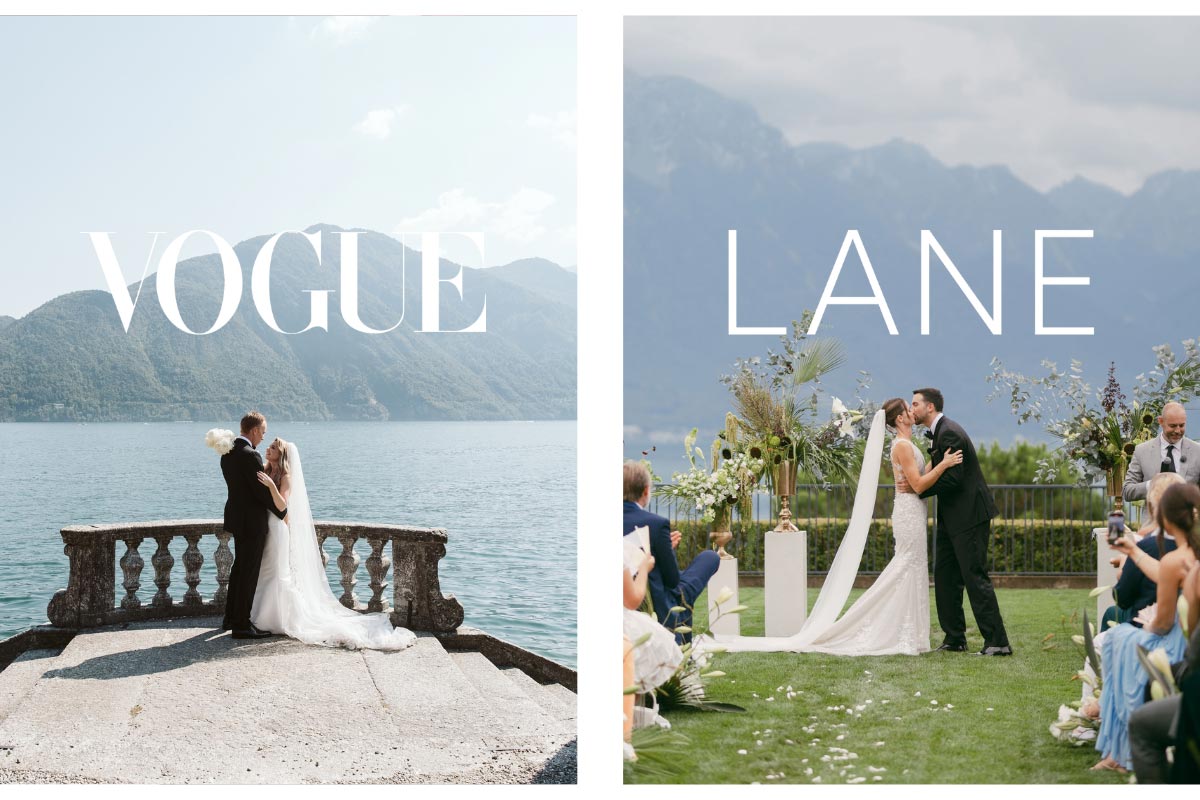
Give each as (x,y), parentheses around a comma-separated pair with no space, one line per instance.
(952,458)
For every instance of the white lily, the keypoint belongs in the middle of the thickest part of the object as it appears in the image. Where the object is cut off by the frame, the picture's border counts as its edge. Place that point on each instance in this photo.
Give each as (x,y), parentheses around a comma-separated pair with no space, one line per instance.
(1159,659)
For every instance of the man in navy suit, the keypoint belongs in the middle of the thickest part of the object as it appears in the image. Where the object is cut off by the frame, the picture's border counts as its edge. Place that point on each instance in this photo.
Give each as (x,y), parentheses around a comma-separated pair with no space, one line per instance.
(669,587)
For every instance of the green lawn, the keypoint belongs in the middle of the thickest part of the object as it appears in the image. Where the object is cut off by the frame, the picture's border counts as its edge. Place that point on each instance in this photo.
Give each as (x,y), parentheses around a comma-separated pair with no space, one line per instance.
(875,718)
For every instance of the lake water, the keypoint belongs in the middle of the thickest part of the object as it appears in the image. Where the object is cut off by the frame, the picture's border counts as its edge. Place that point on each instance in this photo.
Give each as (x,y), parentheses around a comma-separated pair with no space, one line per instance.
(504,491)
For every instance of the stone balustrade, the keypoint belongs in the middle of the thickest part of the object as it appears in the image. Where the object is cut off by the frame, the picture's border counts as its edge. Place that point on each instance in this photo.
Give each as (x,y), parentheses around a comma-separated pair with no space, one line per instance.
(90,600)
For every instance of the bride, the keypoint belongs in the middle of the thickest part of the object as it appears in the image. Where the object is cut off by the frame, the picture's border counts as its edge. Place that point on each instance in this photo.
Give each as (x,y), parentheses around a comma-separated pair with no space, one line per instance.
(293,595)
(891,617)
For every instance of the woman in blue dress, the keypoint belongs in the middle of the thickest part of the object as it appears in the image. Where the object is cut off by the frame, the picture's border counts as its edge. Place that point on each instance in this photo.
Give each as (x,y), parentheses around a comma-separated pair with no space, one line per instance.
(1124,677)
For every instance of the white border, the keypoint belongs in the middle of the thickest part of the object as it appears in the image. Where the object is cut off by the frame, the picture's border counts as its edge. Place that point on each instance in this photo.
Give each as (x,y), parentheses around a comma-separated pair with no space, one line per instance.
(600,67)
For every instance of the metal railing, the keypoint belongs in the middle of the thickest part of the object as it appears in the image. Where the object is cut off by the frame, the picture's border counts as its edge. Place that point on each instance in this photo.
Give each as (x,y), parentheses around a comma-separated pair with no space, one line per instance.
(1042,529)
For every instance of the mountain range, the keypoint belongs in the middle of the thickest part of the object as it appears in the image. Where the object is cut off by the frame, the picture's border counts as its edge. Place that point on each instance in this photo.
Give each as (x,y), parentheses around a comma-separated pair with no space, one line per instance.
(71,359)
(698,164)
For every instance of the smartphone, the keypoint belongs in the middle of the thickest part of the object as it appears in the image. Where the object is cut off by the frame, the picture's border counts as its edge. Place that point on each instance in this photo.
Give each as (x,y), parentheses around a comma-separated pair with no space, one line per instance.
(1116,526)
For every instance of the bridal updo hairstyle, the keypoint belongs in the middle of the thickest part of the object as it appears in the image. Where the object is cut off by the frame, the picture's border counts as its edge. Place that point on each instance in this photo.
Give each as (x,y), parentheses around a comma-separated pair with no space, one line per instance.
(1180,508)
(892,409)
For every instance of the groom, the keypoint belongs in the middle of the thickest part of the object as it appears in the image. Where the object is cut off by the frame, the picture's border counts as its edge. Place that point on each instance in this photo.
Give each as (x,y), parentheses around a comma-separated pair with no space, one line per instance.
(246,518)
(964,528)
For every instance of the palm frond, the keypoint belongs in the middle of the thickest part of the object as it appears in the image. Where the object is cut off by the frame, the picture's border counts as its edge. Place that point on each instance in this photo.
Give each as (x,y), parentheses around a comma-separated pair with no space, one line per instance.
(817,358)
(658,755)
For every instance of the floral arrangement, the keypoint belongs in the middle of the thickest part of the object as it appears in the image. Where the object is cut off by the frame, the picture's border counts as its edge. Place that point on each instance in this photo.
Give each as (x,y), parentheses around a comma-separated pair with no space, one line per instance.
(653,751)
(779,423)
(1073,726)
(1098,430)
(220,440)
(1079,722)
(686,686)
(707,491)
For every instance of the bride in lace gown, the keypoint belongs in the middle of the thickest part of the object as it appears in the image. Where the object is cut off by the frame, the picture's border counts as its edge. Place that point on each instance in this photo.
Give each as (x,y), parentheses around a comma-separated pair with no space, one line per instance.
(891,617)
(293,595)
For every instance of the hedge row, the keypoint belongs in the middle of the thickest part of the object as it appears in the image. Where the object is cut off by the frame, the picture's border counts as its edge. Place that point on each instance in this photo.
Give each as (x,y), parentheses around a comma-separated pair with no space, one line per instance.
(1018,546)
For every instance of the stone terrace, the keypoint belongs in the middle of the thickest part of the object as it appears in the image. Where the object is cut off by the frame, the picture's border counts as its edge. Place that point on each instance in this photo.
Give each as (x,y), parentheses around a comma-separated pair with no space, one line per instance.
(178,702)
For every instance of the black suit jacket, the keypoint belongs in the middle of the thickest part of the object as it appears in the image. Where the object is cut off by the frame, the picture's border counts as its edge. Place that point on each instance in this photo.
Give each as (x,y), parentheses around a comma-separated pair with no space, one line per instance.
(248,498)
(1134,590)
(964,499)
(663,581)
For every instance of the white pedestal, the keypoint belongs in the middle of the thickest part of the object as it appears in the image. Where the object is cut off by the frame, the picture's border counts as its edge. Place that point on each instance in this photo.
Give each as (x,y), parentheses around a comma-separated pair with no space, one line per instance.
(1106,573)
(785,592)
(727,576)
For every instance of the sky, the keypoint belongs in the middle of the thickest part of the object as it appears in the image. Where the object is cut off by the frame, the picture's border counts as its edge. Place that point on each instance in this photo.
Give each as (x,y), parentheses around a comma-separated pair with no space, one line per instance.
(1108,99)
(253,125)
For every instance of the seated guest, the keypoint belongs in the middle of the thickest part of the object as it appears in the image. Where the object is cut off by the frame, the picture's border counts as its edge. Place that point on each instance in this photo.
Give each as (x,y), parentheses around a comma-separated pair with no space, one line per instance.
(669,587)
(1160,724)
(656,656)
(1184,733)
(1135,590)
(1125,679)
(651,654)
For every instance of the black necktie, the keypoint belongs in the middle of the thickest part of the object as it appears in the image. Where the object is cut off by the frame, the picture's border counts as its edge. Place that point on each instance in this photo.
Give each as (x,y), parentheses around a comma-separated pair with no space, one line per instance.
(929,435)
(1168,464)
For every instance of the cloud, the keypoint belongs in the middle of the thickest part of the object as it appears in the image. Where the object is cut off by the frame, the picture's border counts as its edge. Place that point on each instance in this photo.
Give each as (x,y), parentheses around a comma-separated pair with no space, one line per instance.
(342,30)
(657,437)
(518,218)
(378,123)
(560,125)
(1050,98)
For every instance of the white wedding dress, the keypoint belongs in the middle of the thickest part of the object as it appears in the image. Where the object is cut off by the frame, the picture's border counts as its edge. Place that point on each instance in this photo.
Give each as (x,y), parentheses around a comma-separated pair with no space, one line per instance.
(891,617)
(293,595)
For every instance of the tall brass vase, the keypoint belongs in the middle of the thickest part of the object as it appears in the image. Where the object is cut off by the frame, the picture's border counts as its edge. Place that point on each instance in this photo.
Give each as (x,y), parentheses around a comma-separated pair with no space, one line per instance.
(1115,485)
(785,487)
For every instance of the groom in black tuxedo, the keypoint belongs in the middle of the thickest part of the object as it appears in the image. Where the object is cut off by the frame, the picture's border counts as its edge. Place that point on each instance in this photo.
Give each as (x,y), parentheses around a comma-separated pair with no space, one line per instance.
(246,518)
(964,528)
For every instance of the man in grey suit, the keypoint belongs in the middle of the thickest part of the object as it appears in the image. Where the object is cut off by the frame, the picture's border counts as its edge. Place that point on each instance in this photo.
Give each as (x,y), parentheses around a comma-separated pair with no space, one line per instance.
(1170,451)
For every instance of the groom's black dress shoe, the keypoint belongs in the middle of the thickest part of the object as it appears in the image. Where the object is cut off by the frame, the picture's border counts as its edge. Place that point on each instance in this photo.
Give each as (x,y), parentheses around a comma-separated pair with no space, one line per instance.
(953,648)
(995,651)
(253,633)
